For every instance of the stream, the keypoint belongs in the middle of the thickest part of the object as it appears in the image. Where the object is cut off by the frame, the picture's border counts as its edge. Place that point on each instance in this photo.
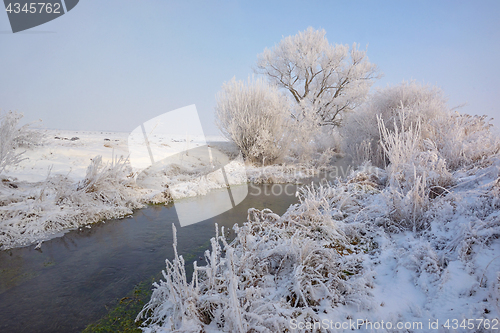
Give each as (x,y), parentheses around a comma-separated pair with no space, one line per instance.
(71,280)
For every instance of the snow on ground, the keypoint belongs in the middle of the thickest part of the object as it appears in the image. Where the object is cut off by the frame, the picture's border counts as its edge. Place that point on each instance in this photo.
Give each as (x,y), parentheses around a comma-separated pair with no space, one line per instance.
(68,153)
(338,261)
(65,183)
(75,178)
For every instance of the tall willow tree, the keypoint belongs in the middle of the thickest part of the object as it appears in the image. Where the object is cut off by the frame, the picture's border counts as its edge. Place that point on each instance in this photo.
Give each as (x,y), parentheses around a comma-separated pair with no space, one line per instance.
(329,80)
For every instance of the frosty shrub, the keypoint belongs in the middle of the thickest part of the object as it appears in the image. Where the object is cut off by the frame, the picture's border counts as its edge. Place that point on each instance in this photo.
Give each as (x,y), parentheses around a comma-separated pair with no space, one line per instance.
(12,136)
(256,117)
(407,190)
(29,137)
(464,140)
(109,183)
(461,140)
(416,170)
(99,176)
(361,139)
(332,80)
(8,134)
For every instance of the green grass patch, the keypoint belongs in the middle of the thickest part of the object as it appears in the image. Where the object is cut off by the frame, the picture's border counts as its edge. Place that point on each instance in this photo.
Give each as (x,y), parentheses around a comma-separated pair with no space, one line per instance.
(121,318)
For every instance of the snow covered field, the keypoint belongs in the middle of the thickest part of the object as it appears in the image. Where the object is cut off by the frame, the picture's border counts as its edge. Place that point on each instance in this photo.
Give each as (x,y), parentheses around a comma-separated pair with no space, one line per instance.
(68,153)
(75,178)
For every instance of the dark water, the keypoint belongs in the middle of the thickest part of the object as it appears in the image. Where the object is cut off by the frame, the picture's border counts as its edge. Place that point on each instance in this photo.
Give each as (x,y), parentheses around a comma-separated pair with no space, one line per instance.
(68,283)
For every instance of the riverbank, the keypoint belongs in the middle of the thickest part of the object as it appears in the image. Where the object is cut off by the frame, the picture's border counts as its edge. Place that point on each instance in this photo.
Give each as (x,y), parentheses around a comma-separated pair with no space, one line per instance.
(354,254)
(74,178)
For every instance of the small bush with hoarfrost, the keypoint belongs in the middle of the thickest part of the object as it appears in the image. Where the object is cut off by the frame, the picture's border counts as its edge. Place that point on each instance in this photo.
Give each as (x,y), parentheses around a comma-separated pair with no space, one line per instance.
(422,103)
(416,171)
(12,136)
(460,139)
(255,116)
(464,140)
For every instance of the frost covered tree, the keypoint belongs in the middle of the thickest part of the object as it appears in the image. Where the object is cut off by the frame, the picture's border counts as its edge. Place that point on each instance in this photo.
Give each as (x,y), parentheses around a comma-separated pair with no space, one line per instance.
(330,79)
(255,116)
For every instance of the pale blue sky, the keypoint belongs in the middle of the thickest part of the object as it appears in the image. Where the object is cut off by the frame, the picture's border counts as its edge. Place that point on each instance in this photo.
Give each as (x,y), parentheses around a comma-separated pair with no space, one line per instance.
(111,65)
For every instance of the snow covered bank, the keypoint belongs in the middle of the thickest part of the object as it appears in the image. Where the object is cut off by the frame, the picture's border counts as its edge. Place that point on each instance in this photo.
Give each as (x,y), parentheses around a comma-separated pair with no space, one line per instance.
(76,178)
(69,180)
(72,179)
(413,247)
(338,256)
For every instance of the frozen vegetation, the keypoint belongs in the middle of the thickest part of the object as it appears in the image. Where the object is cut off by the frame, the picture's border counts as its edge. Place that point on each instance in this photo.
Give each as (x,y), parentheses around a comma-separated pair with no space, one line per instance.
(53,181)
(413,242)
(52,185)
(407,242)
